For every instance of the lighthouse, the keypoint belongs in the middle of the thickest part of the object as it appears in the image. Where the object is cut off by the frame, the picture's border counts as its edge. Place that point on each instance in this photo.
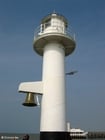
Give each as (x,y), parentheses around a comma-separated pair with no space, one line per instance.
(53,42)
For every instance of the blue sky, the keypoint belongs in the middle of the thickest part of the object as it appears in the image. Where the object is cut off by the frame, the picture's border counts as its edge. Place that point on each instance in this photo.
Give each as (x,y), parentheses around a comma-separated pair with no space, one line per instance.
(19,63)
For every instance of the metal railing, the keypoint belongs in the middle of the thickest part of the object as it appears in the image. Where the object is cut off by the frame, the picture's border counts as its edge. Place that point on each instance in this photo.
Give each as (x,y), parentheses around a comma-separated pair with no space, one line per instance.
(40,30)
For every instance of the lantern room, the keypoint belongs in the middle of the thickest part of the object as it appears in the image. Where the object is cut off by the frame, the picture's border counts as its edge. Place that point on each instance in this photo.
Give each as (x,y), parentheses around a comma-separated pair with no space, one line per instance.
(53,23)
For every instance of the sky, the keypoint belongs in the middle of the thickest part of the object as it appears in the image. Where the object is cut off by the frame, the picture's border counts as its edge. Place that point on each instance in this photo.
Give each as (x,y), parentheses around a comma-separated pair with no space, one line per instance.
(19,63)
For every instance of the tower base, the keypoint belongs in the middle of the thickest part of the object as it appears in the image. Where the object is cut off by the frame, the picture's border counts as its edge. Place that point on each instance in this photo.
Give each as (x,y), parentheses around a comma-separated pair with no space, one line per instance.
(55,136)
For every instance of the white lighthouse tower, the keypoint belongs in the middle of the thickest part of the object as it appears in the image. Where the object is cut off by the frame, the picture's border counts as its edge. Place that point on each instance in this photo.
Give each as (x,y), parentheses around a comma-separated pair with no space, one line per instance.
(53,43)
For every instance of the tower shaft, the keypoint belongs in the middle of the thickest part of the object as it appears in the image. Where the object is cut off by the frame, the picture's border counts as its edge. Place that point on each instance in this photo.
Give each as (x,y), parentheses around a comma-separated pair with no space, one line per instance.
(53,101)
(53,112)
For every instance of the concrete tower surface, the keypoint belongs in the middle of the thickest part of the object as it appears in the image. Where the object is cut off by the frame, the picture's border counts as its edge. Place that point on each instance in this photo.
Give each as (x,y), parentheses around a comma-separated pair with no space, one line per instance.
(53,43)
